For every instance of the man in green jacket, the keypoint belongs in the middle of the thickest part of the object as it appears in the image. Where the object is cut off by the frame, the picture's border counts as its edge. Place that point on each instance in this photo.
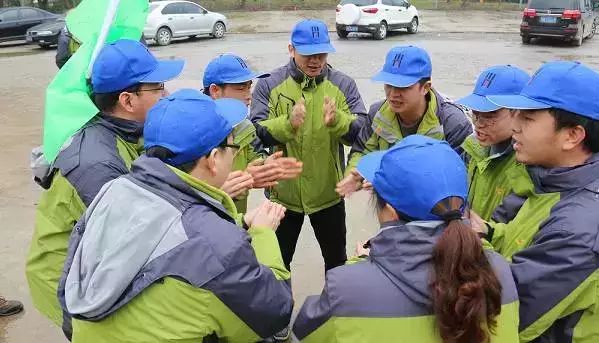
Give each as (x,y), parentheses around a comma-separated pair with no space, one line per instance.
(160,256)
(552,238)
(306,109)
(127,80)
(488,153)
(228,76)
(411,106)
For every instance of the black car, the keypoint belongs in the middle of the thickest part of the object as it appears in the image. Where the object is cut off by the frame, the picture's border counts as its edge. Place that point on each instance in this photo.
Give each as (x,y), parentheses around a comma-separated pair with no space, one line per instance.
(46,34)
(571,20)
(15,21)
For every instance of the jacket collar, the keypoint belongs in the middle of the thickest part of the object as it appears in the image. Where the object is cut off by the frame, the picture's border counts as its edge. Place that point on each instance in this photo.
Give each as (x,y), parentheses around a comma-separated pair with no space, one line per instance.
(565,179)
(131,131)
(301,78)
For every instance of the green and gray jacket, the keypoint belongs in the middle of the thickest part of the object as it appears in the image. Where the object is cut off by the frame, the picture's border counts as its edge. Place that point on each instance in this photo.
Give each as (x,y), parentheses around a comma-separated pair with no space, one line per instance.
(386,298)
(443,120)
(158,257)
(491,176)
(551,234)
(101,151)
(319,147)
(245,136)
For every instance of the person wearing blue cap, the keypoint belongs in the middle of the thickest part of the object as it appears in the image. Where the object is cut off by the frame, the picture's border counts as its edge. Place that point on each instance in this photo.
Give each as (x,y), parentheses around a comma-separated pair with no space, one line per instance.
(307,109)
(159,256)
(228,76)
(411,106)
(425,276)
(552,238)
(493,171)
(127,80)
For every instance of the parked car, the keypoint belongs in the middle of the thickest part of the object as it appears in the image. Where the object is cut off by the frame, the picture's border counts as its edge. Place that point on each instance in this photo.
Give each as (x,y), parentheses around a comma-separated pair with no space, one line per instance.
(570,20)
(46,34)
(173,19)
(14,21)
(376,17)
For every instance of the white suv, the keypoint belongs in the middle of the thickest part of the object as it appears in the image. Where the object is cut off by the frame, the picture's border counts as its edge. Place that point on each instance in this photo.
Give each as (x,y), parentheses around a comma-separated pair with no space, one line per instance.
(376,17)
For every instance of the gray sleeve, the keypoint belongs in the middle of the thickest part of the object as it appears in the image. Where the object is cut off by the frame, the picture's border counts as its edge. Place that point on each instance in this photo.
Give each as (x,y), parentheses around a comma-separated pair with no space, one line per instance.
(456,125)
(366,131)
(356,107)
(88,180)
(259,111)
(62,52)
(315,312)
(508,209)
(253,293)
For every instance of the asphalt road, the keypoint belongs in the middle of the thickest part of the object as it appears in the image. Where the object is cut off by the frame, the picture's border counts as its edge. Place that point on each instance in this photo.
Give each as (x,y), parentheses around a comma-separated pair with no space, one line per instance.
(25,71)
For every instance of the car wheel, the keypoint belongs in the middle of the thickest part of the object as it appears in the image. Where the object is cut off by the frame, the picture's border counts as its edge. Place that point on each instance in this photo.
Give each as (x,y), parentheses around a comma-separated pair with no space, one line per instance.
(413,28)
(577,41)
(526,39)
(381,31)
(342,34)
(218,31)
(164,36)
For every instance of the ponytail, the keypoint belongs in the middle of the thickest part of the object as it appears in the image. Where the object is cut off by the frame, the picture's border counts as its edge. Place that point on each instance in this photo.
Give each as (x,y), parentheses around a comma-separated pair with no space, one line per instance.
(465,291)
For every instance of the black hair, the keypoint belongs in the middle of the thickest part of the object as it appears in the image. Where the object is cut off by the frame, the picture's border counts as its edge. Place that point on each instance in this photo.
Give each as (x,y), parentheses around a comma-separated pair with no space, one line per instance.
(424,80)
(163,154)
(207,89)
(565,119)
(106,102)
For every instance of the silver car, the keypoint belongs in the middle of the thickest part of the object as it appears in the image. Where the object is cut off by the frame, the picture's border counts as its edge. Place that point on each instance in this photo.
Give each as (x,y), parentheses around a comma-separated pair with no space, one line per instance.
(173,19)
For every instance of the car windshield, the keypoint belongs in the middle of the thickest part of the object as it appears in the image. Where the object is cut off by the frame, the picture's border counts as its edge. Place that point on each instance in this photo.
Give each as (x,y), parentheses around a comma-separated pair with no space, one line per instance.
(552,4)
(359,2)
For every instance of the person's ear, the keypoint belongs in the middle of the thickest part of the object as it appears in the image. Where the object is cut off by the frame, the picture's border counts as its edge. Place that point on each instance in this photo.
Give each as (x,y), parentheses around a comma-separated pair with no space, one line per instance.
(125,101)
(390,213)
(211,162)
(426,87)
(215,91)
(573,136)
(291,50)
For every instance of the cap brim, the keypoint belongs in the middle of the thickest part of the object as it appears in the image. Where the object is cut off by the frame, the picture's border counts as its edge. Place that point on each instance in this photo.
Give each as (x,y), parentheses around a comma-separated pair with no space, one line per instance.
(395,80)
(517,102)
(369,164)
(314,49)
(165,71)
(478,103)
(246,78)
(233,110)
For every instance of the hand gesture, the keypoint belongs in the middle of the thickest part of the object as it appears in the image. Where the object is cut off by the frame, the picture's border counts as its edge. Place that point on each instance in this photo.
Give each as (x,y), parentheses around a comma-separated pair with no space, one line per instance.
(330,111)
(237,183)
(290,166)
(298,114)
(350,184)
(268,215)
(264,175)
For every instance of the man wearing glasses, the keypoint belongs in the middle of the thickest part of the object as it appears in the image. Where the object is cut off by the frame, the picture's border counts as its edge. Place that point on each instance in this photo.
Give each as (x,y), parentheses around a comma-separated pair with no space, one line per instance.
(127,80)
(493,171)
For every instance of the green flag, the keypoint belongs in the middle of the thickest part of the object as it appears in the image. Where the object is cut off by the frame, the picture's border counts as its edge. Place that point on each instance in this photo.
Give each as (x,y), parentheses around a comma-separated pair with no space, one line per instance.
(68,102)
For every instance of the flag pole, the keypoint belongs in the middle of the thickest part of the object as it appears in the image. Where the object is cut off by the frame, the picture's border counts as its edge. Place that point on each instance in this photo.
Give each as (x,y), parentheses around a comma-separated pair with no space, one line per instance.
(108,20)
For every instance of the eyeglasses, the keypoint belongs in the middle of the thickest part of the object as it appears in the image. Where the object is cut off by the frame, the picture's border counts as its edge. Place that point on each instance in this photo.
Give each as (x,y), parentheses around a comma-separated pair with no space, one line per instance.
(159,88)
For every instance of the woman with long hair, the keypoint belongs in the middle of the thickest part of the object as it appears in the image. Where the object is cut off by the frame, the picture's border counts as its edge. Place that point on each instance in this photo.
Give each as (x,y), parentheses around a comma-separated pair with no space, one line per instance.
(425,276)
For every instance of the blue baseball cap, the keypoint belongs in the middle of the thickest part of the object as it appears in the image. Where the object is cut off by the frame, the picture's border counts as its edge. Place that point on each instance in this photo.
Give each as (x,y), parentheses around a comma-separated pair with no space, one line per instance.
(191,124)
(228,69)
(569,86)
(125,63)
(497,80)
(416,174)
(404,66)
(311,37)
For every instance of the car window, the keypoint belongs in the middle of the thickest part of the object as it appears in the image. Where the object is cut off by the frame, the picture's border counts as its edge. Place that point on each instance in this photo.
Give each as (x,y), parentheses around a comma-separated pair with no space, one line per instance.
(28,13)
(388,2)
(553,4)
(153,7)
(190,8)
(172,9)
(360,2)
(9,15)
(399,3)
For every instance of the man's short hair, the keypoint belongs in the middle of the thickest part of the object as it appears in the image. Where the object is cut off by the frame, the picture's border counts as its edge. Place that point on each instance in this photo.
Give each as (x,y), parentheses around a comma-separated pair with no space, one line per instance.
(565,119)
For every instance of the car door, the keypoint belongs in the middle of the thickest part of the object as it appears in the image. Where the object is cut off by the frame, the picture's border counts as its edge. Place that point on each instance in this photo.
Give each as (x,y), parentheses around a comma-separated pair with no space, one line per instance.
(206,20)
(195,17)
(8,23)
(400,8)
(388,13)
(29,17)
(175,19)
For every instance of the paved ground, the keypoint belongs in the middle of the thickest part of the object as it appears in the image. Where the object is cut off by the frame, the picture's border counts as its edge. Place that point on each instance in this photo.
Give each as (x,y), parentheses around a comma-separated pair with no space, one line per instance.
(26,71)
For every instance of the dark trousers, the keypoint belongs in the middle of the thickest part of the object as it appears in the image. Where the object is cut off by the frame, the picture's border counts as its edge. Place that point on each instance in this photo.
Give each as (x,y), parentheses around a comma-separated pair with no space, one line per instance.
(329,228)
